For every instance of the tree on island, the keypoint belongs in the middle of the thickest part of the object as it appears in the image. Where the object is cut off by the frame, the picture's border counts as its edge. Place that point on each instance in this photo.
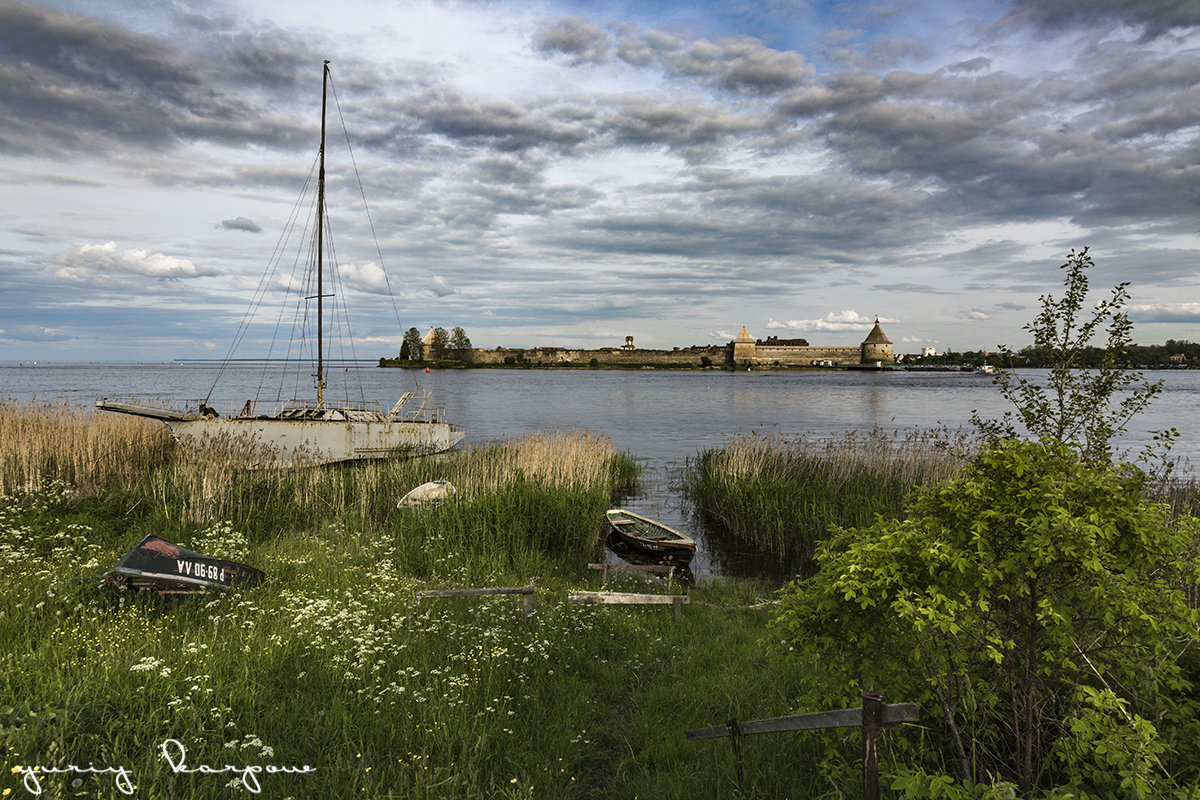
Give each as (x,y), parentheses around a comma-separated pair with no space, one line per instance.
(460,344)
(438,343)
(411,347)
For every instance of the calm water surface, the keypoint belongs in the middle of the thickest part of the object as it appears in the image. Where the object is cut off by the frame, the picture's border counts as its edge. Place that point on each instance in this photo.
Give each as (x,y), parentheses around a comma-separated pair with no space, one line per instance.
(660,417)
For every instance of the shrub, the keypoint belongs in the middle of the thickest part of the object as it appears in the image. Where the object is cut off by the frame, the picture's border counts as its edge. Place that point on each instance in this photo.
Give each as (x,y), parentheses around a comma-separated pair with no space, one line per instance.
(1038,603)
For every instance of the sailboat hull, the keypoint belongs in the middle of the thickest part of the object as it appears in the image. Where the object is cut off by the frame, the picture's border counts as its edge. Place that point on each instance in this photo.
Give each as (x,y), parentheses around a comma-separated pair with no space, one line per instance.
(302,442)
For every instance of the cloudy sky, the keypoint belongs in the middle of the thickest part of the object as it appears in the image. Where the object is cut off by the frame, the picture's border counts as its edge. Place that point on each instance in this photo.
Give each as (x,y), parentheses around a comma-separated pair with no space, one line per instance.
(569,172)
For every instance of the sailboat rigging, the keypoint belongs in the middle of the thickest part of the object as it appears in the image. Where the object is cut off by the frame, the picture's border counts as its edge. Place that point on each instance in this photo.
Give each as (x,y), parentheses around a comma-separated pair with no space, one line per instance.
(301,432)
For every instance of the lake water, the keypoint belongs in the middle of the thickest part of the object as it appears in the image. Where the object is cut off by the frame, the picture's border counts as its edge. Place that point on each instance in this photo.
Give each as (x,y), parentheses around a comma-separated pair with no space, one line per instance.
(661,417)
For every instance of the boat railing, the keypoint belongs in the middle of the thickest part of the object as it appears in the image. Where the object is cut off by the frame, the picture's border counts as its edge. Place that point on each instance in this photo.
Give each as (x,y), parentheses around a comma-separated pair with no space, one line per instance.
(340,405)
(179,405)
(414,406)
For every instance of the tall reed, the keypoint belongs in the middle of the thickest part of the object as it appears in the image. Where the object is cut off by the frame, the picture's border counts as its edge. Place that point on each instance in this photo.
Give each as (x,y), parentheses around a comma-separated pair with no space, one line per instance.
(55,441)
(784,494)
(210,484)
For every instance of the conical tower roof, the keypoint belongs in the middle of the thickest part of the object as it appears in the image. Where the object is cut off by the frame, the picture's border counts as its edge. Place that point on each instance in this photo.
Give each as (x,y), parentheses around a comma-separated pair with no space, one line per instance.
(744,336)
(876,335)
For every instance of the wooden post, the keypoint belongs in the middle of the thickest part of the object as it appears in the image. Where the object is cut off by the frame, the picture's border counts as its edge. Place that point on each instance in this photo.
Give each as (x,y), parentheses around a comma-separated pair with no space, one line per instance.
(735,736)
(678,603)
(873,717)
(872,724)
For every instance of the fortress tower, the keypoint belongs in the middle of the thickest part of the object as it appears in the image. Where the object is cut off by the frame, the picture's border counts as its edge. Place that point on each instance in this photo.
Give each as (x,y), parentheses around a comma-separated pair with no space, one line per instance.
(877,347)
(743,347)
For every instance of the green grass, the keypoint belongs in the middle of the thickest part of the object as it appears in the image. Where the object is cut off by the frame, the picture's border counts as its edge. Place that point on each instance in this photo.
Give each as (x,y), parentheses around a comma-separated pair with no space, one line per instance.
(330,663)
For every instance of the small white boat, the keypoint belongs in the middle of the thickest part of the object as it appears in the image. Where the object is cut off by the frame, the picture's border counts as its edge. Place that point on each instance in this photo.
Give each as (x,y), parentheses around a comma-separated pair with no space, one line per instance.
(428,494)
(986,369)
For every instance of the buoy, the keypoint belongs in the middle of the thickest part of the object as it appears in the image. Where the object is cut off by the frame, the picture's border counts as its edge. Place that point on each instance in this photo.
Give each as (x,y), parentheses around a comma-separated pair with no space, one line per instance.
(427,369)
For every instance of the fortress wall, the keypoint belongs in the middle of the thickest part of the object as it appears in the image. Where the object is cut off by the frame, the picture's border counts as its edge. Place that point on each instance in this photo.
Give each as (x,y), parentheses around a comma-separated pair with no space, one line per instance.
(803,356)
(637,357)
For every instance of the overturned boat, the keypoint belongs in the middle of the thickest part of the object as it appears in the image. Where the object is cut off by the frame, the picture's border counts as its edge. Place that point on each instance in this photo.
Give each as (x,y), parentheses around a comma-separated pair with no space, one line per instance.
(433,493)
(158,565)
(311,431)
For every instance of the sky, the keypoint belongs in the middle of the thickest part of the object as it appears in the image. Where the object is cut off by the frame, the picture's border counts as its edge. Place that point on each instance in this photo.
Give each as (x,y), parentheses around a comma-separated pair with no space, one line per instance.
(569,173)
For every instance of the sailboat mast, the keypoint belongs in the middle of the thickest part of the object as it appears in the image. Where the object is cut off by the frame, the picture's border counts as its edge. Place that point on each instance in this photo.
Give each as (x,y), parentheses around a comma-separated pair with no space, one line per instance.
(321,247)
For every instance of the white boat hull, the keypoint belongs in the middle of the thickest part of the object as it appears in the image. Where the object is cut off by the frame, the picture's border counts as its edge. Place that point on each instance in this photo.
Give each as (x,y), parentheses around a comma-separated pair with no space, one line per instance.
(298,442)
(280,442)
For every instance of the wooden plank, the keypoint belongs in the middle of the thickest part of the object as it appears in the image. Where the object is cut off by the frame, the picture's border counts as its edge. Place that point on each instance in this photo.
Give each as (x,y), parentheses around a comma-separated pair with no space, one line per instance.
(663,568)
(893,714)
(626,598)
(476,592)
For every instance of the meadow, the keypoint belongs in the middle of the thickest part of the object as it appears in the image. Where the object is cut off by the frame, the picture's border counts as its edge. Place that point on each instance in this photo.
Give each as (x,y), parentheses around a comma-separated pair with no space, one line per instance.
(326,680)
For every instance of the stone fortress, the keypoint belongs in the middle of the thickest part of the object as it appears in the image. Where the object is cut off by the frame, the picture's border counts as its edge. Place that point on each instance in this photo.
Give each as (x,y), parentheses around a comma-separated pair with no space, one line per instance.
(744,352)
(875,350)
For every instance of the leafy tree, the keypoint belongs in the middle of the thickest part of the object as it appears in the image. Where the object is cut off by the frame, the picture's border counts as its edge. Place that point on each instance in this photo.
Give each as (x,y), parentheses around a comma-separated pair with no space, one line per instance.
(1077,407)
(439,343)
(460,344)
(411,348)
(1038,603)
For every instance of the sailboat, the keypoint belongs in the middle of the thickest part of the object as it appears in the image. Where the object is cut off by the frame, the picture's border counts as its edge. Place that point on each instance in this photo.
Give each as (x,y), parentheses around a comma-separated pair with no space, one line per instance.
(312,431)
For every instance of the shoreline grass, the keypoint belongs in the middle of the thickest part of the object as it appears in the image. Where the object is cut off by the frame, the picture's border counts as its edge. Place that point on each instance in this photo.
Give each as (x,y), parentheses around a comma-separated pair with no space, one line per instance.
(783,495)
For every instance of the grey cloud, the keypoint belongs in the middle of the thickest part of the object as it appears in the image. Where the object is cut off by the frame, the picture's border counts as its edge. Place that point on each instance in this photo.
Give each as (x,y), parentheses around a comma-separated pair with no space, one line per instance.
(643,121)
(843,90)
(576,37)
(1154,18)
(500,124)
(241,224)
(69,83)
(737,64)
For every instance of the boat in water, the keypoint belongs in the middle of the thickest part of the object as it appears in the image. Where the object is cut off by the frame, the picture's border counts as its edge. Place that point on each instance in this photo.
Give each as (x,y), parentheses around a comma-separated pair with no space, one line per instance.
(158,565)
(650,537)
(313,430)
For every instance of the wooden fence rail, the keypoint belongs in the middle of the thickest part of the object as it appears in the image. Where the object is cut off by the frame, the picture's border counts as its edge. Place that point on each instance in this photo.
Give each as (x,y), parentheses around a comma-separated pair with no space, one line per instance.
(626,598)
(526,593)
(873,716)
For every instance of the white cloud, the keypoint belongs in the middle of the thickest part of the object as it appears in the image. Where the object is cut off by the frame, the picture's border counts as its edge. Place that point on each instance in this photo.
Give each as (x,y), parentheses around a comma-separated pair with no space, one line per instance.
(368,277)
(834,321)
(85,262)
(1165,312)
(440,286)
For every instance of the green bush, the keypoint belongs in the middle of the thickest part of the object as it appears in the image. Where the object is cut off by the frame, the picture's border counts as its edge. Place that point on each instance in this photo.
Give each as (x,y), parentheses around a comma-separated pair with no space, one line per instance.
(1035,607)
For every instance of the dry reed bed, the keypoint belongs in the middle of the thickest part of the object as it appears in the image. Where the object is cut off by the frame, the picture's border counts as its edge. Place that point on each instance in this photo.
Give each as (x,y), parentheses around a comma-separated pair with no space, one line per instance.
(44,441)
